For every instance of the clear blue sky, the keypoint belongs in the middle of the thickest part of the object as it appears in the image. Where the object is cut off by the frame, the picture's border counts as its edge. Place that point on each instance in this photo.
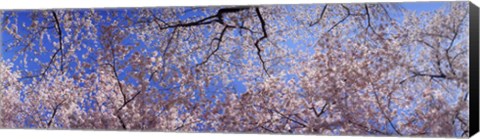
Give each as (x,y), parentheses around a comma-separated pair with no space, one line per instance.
(423,6)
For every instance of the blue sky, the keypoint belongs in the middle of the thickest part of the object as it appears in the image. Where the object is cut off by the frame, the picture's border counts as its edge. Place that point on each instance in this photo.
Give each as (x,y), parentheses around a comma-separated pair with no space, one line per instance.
(423,6)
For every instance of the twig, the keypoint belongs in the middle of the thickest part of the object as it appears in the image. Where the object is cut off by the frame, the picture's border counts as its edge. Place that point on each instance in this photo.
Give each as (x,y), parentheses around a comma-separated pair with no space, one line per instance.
(343,19)
(321,16)
(321,111)
(54,113)
(219,40)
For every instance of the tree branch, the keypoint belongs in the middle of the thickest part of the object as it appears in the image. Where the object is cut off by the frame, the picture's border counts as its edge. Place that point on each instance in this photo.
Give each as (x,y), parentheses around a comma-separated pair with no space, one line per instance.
(429,75)
(449,59)
(385,115)
(124,126)
(217,18)
(343,19)
(265,35)
(321,16)
(128,101)
(269,130)
(369,20)
(60,39)
(54,113)
(282,115)
(118,81)
(219,40)
(59,50)
(366,128)
(321,111)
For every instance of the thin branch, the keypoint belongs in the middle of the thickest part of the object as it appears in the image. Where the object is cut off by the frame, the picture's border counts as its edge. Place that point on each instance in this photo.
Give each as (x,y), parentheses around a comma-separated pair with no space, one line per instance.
(465,97)
(439,64)
(369,20)
(124,105)
(118,81)
(366,128)
(460,119)
(59,31)
(321,111)
(438,60)
(288,117)
(152,75)
(128,102)
(465,133)
(186,124)
(122,122)
(164,53)
(386,11)
(426,43)
(460,53)
(60,37)
(219,40)
(449,59)
(265,35)
(430,75)
(269,130)
(131,99)
(169,41)
(321,16)
(282,115)
(54,113)
(385,115)
(343,19)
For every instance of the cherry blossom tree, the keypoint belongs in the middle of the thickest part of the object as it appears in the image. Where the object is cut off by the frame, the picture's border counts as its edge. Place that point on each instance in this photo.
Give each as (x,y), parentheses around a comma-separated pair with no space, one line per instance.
(441,72)
(335,69)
